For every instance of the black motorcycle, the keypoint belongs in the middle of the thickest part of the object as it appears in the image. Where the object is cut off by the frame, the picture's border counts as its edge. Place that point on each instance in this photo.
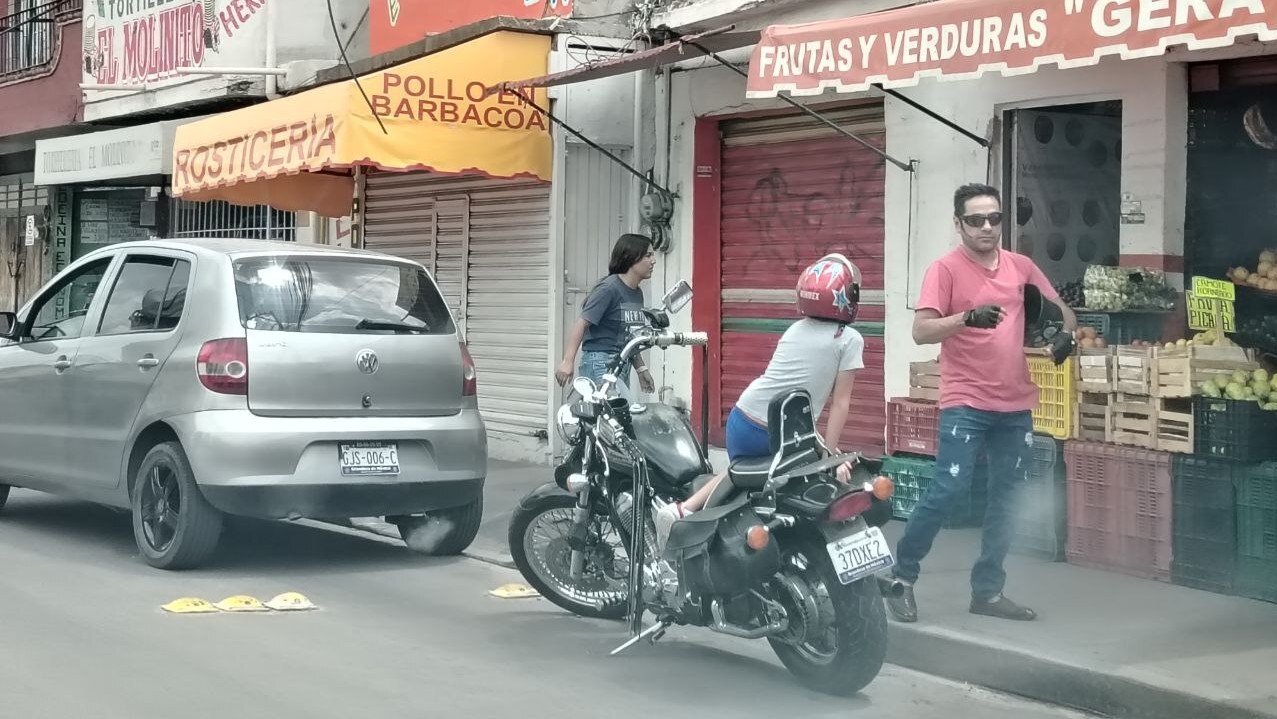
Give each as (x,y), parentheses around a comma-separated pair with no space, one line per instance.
(782,550)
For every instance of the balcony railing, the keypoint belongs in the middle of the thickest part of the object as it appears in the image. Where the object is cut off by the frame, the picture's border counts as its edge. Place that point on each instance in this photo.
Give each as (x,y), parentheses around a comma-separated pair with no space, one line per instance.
(29,37)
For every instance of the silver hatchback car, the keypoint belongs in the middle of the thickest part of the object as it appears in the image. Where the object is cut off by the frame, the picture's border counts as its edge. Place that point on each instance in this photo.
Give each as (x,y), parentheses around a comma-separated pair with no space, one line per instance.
(186,379)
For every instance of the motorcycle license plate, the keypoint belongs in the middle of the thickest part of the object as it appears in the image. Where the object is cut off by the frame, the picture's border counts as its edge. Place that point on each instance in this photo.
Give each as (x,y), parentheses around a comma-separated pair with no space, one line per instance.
(860,555)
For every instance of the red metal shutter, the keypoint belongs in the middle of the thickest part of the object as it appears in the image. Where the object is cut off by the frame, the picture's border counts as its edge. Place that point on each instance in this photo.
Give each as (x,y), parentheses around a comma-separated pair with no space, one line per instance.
(792,191)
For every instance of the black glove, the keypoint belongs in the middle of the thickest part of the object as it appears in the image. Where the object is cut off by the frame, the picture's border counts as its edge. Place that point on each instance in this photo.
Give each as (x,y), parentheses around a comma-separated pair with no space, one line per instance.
(1062,346)
(984,317)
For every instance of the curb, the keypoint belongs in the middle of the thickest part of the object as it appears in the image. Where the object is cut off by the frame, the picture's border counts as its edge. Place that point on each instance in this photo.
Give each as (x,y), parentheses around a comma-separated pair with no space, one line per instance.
(960,657)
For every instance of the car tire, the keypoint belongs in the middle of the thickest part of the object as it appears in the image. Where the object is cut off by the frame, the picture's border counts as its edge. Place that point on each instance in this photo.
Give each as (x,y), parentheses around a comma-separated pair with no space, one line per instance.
(173,525)
(4,495)
(443,532)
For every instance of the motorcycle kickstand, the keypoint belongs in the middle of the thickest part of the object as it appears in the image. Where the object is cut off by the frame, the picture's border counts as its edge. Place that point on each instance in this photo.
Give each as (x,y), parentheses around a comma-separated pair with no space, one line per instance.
(655,632)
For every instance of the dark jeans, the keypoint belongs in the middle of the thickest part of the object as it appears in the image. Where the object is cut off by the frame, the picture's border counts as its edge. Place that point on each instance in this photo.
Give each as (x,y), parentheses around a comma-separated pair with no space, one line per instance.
(1008,440)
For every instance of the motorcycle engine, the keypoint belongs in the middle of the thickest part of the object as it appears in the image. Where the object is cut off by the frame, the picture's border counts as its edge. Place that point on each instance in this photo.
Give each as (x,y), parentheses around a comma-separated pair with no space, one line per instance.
(660,580)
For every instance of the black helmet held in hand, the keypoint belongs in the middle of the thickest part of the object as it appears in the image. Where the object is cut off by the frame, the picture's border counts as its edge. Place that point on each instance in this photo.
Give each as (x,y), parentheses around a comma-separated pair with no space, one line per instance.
(1044,325)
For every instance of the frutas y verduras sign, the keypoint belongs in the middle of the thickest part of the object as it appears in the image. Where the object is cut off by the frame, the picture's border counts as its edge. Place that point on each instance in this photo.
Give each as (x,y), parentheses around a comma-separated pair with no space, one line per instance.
(965,38)
(132,42)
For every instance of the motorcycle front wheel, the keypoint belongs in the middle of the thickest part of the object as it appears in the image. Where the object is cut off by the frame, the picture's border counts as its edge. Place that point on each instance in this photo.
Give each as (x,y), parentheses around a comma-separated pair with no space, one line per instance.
(539,544)
(848,644)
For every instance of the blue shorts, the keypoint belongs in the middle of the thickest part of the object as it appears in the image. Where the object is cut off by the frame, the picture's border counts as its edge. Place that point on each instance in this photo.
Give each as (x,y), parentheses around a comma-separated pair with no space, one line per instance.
(744,438)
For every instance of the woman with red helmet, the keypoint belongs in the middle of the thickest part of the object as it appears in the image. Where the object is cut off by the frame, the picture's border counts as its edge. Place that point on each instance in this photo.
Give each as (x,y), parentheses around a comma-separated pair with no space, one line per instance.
(819,353)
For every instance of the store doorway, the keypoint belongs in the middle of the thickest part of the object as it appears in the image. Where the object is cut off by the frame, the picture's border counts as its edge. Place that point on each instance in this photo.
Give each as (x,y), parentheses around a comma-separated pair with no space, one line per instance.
(1064,170)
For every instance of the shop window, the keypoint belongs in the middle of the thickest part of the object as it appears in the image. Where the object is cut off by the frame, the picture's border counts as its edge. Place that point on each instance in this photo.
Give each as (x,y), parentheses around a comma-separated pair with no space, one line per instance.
(148,296)
(219,219)
(60,314)
(1064,170)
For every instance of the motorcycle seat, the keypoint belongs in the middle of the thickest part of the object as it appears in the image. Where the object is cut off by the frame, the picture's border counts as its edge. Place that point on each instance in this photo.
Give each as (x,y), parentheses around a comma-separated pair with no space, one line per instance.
(751,473)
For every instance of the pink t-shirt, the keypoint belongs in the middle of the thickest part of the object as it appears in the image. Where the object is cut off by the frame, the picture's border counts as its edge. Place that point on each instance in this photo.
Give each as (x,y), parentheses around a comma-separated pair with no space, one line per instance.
(984,369)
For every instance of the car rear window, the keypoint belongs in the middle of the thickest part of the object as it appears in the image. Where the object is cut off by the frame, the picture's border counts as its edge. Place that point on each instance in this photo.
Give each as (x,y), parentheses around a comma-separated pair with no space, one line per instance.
(286,293)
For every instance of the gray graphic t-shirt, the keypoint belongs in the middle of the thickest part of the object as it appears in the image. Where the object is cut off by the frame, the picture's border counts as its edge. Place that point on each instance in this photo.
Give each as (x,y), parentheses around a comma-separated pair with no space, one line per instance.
(613,310)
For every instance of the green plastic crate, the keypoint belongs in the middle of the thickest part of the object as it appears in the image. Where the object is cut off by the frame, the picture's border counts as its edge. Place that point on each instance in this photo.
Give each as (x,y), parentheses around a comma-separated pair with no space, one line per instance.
(1256,569)
(913,475)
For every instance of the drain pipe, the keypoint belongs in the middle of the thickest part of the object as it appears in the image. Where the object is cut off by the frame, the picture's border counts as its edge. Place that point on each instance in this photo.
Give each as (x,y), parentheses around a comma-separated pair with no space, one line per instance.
(272,81)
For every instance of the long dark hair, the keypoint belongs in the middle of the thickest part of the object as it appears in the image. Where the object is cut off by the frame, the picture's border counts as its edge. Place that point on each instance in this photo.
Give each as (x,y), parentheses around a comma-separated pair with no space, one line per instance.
(627,252)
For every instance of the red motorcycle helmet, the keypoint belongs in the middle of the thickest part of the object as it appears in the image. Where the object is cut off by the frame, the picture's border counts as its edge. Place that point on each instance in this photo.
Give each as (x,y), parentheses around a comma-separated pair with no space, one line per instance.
(830,289)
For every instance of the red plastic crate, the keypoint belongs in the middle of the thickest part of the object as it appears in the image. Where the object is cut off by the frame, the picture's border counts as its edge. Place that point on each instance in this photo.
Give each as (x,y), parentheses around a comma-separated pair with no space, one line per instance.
(913,427)
(1119,509)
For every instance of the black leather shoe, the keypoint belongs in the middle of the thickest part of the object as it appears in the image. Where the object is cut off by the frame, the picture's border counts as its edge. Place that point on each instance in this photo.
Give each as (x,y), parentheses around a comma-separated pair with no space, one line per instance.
(904,608)
(1002,608)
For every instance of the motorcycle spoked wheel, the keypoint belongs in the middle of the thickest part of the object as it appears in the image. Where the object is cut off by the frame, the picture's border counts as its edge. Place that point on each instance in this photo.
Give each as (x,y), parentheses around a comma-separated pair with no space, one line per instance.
(538,539)
(844,655)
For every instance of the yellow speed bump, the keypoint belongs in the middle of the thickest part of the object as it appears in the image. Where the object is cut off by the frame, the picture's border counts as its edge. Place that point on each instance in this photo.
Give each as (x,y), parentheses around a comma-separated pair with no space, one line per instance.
(290,602)
(514,591)
(188,605)
(241,603)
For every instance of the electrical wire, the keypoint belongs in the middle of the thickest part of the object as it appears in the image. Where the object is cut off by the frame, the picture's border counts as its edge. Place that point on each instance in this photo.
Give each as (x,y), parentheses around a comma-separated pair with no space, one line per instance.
(332,19)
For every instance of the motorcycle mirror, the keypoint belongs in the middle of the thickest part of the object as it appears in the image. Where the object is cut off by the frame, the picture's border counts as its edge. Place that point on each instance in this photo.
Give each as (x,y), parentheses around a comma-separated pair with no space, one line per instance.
(584,386)
(678,297)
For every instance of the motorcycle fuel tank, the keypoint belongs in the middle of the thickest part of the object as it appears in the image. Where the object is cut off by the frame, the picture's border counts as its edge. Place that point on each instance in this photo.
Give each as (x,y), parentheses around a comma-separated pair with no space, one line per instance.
(668,442)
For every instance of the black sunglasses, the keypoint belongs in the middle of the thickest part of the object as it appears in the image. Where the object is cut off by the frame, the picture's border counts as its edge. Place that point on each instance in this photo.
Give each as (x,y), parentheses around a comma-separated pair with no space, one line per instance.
(977,221)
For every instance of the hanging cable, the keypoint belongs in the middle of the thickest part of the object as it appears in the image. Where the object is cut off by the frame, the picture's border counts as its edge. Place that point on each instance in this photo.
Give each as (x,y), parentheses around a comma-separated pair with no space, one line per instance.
(332,19)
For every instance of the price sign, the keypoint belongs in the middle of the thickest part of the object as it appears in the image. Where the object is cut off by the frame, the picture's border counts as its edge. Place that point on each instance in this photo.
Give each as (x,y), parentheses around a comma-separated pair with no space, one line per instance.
(1207,313)
(1207,288)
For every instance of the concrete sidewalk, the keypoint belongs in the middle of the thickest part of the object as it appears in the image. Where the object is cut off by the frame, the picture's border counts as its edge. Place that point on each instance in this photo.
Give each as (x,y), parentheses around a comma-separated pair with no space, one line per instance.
(1103,642)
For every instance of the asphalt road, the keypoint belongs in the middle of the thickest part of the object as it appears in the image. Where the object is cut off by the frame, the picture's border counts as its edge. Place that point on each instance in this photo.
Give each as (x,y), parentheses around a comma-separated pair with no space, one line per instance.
(395,635)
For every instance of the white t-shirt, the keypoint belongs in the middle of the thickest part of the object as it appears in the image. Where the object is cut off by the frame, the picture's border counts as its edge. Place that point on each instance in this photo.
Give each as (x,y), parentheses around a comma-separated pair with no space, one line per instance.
(810,355)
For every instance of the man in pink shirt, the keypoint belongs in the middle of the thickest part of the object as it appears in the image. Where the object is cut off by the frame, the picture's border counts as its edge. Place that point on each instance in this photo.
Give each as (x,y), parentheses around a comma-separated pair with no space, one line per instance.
(972,304)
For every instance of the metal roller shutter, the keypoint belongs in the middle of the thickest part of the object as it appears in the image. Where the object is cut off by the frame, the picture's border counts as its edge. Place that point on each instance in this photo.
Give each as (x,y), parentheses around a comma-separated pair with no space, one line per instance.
(793,190)
(486,242)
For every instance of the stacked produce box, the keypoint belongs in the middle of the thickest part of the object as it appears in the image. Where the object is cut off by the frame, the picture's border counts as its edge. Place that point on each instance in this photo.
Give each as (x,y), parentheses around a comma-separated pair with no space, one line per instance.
(1170,472)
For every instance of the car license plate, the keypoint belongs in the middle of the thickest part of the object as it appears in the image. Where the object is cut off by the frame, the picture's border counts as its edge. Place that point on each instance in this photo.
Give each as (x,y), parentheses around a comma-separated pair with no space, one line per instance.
(860,555)
(368,458)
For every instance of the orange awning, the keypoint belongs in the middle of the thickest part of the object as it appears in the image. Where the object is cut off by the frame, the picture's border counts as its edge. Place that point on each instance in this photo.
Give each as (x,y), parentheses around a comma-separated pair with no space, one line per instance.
(296,153)
(954,39)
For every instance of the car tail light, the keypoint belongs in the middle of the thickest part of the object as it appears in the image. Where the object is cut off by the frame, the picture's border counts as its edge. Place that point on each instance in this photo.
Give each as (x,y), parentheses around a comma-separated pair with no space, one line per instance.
(850,505)
(469,380)
(223,365)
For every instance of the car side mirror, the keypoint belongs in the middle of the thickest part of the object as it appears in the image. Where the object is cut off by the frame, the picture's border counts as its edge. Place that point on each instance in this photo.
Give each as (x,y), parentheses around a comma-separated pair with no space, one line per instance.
(8,325)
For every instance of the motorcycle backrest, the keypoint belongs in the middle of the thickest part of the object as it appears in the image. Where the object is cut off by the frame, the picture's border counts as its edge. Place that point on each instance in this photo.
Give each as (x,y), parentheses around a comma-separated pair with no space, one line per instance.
(790,424)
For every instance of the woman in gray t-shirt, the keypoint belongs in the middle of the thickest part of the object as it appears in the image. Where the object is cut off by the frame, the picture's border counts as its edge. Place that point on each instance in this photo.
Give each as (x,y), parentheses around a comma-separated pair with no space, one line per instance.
(610,313)
(819,353)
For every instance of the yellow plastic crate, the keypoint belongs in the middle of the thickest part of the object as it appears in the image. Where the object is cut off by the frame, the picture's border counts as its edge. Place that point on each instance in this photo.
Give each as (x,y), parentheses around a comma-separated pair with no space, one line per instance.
(1056,396)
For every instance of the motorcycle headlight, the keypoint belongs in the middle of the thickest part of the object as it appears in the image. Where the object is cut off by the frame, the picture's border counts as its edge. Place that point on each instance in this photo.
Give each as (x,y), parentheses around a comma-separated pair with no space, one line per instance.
(567,423)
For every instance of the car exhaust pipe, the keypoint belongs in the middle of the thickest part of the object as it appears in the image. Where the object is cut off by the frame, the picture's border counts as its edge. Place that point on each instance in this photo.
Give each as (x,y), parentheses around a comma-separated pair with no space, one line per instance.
(890,587)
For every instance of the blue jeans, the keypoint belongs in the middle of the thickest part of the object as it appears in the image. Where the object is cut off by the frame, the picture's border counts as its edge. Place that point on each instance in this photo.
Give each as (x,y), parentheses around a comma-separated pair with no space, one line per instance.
(594,365)
(744,438)
(1008,439)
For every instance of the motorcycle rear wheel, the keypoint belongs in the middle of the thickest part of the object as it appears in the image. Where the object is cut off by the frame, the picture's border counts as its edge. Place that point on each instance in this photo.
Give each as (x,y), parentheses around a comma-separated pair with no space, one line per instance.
(547,568)
(852,652)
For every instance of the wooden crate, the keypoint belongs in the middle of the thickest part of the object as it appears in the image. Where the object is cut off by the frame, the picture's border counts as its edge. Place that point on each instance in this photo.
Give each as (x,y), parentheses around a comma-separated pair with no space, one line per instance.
(1091,416)
(1133,371)
(924,381)
(1132,421)
(1180,371)
(1175,425)
(1095,370)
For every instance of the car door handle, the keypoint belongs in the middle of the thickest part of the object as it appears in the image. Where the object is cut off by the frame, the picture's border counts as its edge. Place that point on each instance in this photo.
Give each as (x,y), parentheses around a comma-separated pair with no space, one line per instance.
(61,364)
(148,362)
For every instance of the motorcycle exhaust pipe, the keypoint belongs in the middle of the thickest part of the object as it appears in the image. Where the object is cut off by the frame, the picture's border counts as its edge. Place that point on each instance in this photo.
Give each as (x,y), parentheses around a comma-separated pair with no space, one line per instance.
(890,587)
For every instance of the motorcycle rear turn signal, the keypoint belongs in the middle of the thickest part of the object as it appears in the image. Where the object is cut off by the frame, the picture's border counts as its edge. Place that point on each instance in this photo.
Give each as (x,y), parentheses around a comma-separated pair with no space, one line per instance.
(884,488)
(758,537)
